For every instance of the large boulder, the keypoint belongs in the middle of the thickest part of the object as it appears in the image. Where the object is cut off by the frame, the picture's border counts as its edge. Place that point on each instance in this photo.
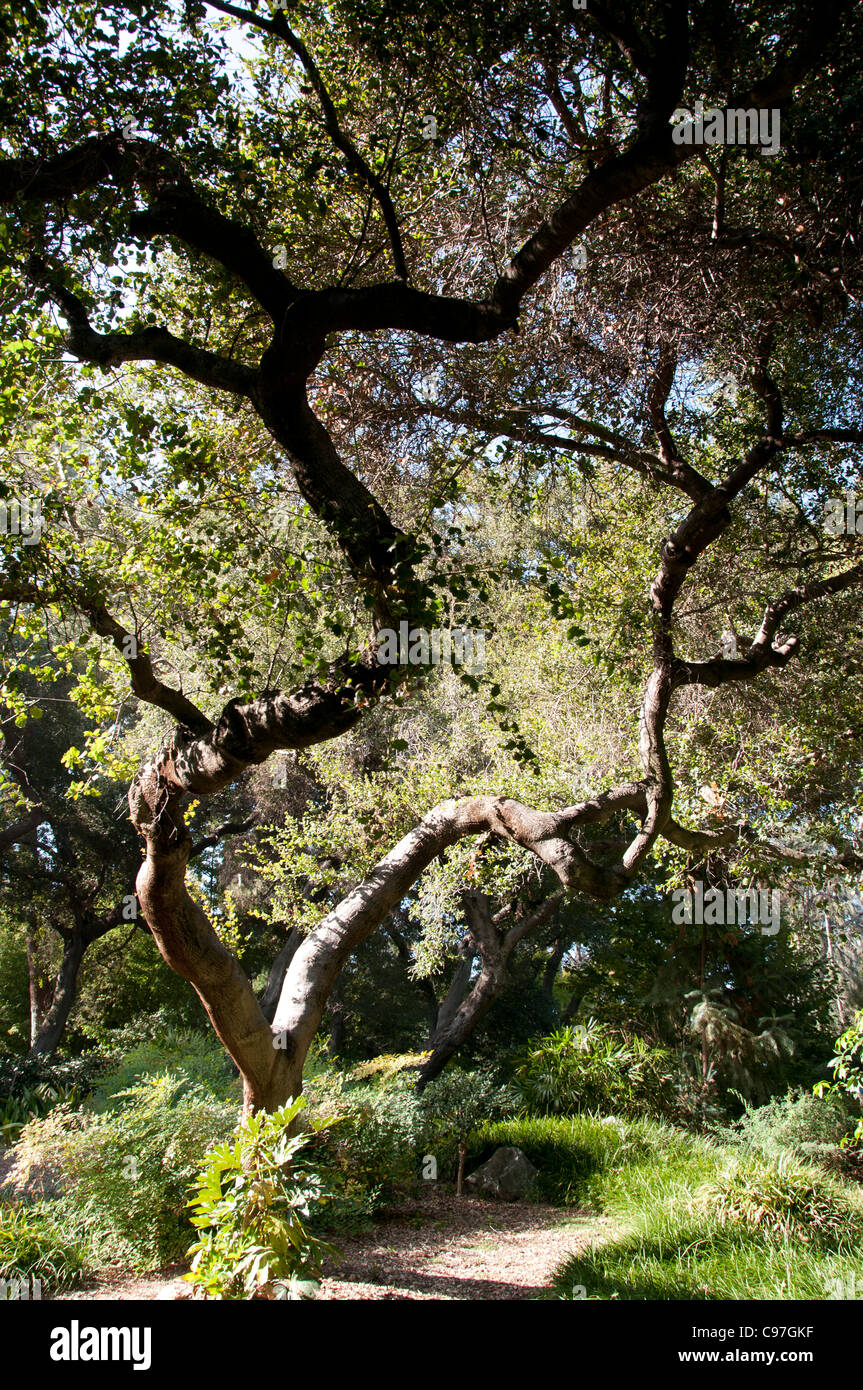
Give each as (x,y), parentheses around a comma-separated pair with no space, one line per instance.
(507,1175)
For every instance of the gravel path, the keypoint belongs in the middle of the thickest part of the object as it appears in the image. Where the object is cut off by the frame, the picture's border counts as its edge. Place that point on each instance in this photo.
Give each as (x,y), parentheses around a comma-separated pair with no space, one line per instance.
(439,1246)
(121,1286)
(432,1246)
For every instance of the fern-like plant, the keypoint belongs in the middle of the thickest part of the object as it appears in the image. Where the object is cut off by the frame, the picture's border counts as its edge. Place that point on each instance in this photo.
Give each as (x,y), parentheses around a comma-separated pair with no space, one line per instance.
(593,1067)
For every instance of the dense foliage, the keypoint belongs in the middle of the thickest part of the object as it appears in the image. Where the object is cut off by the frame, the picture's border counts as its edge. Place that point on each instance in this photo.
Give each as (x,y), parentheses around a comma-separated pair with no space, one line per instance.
(337,336)
(251,1207)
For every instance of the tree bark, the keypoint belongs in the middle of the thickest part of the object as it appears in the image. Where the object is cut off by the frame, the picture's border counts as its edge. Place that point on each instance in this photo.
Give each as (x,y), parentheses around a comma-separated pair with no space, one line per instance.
(494,951)
(40,994)
(552,965)
(458,987)
(337,1020)
(278,970)
(572,1008)
(271,1067)
(47,1038)
(462,1158)
(461,1021)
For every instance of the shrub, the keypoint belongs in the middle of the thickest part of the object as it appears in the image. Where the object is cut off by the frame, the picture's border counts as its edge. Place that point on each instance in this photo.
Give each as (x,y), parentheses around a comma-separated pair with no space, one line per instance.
(798,1124)
(15,1111)
(375,1149)
(31,1087)
(595,1068)
(456,1103)
(252,1203)
(196,1057)
(386,1129)
(38,1152)
(847,1068)
(125,1171)
(19,1073)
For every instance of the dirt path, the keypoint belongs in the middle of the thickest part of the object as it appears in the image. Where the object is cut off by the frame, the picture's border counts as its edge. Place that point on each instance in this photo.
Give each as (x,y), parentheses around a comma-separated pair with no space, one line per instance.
(440,1246)
(434,1246)
(119,1285)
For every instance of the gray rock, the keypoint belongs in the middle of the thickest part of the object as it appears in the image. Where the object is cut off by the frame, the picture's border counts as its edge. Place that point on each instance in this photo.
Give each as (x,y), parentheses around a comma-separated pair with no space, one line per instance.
(507,1175)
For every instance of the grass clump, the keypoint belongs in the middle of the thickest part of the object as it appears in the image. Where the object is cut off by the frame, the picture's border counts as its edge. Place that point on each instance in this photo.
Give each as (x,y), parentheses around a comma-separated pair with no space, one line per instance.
(34,1246)
(786,1199)
(696,1221)
(571,1154)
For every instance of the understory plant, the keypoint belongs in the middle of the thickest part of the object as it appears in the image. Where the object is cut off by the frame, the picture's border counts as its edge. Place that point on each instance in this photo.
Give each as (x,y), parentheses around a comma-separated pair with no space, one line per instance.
(457,1103)
(124,1172)
(31,1087)
(847,1068)
(375,1149)
(801,1125)
(785,1197)
(691,1219)
(34,1246)
(253,1202)
(593,1067)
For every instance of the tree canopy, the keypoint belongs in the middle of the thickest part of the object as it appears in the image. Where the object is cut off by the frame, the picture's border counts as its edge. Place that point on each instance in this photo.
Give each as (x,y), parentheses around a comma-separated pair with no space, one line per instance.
(321,321)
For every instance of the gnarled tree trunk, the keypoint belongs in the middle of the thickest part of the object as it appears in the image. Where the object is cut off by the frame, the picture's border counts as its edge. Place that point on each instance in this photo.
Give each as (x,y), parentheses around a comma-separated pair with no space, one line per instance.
(494,951)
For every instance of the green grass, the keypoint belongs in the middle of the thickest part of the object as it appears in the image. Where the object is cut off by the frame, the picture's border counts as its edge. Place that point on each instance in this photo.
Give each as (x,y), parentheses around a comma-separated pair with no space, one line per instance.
(696,1221)
(32,1244)
(571,1154)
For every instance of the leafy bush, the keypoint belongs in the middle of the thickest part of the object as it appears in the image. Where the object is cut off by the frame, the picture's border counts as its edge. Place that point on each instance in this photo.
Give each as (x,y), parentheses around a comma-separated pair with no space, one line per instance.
(376,1148)
(798,1124)
(387,1065)
(197,1057)
(31,1087)
(386,1128)
(456,1103)
(33,1246)
(250,1203)
(15,1111)
(19,1073)
(743,1061)
(847,1068)
(595,1068)
(126,1170)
